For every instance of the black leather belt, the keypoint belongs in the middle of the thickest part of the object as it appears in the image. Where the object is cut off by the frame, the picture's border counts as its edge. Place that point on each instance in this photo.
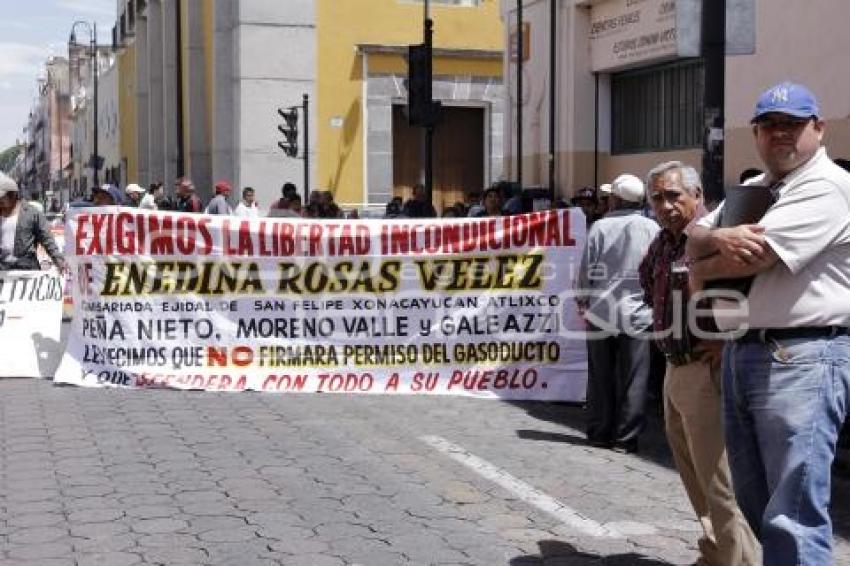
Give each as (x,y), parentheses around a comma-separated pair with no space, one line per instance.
(764,334)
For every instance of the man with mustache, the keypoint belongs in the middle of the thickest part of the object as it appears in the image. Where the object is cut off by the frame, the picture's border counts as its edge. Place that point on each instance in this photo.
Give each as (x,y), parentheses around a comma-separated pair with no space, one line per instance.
(692,402)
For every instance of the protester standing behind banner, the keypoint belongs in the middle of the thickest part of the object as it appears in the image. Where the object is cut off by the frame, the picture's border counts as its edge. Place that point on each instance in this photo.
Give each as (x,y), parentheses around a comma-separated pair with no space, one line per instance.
(187,200)
(786,380)
(692,406)
(219,205)
(153,198)
(247,207)
(610,296)
(418,206)
(22,228)
(135,194)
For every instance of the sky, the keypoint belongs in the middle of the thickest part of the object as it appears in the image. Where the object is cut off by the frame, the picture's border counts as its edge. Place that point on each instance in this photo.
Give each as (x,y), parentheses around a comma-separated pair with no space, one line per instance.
(30,32)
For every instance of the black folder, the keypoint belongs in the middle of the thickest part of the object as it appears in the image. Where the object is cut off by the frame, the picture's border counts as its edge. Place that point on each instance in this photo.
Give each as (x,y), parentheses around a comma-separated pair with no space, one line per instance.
(744,204)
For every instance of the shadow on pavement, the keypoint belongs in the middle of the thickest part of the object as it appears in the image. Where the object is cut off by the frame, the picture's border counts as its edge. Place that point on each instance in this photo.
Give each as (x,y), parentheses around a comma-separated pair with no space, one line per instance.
(557,553)
(653,444)
(545,436)
(49,352)
(654,448)
(840,508)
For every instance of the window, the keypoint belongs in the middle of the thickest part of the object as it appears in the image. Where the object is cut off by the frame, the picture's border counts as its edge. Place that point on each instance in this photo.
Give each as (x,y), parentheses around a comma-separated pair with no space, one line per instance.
(658,108)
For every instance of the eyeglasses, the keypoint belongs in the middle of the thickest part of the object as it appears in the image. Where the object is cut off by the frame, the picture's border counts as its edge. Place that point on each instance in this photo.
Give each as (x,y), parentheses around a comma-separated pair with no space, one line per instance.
(782,123)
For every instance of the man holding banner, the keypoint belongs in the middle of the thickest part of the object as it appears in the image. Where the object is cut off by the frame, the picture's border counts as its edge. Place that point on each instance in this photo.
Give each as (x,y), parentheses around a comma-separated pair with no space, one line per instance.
(22,228)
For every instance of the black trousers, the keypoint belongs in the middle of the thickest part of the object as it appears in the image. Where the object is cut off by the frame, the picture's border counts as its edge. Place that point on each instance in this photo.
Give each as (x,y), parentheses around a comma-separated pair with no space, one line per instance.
(617,386)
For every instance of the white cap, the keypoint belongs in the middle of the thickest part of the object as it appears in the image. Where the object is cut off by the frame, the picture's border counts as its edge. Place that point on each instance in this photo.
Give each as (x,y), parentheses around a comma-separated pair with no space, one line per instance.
(7,185)
(628,187)
(134,188)
(605,189)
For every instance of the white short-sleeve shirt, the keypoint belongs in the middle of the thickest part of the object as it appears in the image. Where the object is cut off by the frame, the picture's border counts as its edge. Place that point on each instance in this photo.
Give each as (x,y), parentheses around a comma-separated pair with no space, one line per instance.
(809,229)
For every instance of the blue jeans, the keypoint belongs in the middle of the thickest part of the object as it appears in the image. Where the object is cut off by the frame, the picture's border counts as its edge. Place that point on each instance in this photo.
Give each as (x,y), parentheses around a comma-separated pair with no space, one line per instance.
(784,404)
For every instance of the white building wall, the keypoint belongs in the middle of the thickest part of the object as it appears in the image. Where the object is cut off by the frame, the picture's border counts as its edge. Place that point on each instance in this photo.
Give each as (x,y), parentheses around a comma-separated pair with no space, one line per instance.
(812,51)
(276,65)
(575,87)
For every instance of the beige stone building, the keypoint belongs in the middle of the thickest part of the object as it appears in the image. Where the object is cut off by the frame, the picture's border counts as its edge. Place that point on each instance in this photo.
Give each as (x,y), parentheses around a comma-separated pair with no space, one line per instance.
(630,81)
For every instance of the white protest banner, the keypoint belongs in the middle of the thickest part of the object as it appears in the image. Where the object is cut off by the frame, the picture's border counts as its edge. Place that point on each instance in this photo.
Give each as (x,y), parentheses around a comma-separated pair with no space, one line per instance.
(30,323)
(475,306)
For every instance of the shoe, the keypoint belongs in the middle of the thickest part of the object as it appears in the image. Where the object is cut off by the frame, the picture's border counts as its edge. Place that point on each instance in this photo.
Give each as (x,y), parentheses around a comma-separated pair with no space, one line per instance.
(628,447)
(600,443)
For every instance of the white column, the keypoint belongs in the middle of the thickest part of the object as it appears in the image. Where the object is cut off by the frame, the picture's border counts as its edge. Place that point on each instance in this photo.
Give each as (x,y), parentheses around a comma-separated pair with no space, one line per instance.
(197,100)
(142,102)
(226,85)
(170,89)
(156,116)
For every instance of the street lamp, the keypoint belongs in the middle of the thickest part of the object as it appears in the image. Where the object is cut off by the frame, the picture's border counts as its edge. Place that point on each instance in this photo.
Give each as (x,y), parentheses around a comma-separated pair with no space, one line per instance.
(72,40)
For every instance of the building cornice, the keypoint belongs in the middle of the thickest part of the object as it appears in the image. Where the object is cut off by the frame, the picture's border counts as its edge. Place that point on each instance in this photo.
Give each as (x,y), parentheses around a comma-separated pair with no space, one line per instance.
(442,52)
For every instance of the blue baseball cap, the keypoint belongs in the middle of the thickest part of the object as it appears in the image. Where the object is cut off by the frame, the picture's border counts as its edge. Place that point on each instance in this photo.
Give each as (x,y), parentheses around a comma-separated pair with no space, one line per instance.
(787,98)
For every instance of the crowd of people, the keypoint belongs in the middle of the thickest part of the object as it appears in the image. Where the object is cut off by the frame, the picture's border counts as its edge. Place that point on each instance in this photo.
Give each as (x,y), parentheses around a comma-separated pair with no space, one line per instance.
(754,396)
(185,199)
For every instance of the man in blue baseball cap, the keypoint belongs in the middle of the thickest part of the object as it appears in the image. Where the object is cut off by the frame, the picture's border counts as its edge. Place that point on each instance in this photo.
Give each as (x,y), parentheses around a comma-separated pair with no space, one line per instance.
(786,372)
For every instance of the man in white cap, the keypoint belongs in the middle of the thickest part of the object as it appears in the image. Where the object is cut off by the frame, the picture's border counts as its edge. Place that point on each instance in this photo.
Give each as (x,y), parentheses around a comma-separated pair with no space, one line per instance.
(134,193)
(22,228)
(610,297)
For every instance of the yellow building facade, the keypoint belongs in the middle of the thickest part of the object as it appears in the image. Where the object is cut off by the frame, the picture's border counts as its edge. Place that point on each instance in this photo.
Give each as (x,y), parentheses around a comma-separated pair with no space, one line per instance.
(366,152)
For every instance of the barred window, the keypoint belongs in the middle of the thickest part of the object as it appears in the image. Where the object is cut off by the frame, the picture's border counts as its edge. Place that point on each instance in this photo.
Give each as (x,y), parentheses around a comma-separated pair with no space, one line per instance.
(658,108)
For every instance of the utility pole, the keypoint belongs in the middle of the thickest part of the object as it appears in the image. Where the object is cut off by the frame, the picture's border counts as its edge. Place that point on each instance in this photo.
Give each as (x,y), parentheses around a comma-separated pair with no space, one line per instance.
(306,151)
(428,31)
(553,67)
(421,109)
(520,53)
(96,159)
(714,56)
(59,111)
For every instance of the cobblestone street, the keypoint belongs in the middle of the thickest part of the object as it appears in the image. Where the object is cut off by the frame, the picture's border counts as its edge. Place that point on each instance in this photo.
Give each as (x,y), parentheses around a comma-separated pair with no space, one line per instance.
(165,477)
